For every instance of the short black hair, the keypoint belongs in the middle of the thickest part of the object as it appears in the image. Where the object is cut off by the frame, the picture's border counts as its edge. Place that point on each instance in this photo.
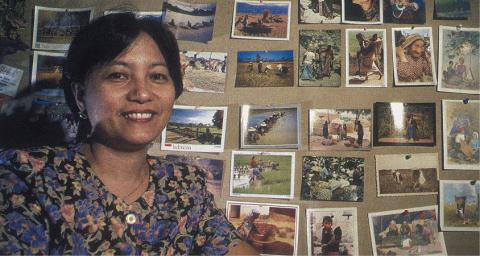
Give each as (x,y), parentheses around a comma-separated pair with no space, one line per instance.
(102,41)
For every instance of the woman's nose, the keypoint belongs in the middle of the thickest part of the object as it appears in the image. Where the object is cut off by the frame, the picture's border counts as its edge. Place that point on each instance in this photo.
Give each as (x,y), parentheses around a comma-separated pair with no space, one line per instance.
(139,91)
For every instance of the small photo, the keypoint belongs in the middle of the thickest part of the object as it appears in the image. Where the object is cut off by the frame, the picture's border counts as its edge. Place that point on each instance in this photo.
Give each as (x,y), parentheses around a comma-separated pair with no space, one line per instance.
(362,11)
(190,22)
(404,124)
(266,20)
(412,231)
(407,174)
(262,174)
(212,170)
(47,66)
(332,178)
(340,129)
(54,28)
(155,16)
(319,11)
(413,60)
(461,127)
(319,60)
(332,231)
(10,78)
(366,59)
(460,205)
(272,229)
(452,9)
(404,11)
(192,128)
(459,59)
(204,71)
(270,126)
(265,69)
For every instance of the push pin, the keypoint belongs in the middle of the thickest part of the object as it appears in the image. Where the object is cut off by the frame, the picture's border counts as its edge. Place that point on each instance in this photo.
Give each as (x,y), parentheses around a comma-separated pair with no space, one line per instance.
(407,157)
(364,29)
(413,27)
(473,182)
(459,27)
(405,212)
(466,100)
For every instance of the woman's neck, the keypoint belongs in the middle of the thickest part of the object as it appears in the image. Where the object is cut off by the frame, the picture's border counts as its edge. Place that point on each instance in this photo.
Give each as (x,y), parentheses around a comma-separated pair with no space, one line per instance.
(366,6)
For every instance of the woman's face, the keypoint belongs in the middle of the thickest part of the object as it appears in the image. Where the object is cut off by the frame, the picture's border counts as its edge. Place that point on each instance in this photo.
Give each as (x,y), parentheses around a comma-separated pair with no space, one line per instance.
(129,100)
(417,49)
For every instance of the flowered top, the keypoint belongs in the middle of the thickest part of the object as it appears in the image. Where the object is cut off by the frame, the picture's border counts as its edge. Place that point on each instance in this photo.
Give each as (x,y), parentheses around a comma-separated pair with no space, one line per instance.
(52,203)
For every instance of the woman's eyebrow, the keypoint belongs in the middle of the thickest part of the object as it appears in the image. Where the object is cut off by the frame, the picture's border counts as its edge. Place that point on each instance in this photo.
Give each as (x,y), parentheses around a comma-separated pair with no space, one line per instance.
(126,64)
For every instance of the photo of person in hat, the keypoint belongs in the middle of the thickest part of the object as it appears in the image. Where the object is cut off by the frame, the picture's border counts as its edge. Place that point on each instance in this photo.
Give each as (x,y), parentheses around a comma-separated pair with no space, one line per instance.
(413,62)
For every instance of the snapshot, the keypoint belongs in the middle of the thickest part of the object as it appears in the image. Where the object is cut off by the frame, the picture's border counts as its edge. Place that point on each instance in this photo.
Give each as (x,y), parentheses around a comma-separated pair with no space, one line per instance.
(272,229)
(412,231)
(193,128)
(332,231)
(332,178)
(340,129)
(460,205)
(362,11)
(204,71)
(54,28)
(404,124)
(319,59)
(190,22)
(320,11)
(451,9)
(155,16)
(461,128)
(10,78)
(266,20)
(270,126)
(47,66)
(366,59)
(264,69)
(404,11)
(407,174)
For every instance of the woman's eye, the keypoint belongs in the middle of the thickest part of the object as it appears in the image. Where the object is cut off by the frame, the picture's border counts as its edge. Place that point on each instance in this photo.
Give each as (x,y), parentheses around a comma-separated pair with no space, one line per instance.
(159,77)
(117,76)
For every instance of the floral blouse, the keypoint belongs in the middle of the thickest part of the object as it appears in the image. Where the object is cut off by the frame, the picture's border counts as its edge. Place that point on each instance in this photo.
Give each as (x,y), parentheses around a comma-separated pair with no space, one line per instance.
(51,202)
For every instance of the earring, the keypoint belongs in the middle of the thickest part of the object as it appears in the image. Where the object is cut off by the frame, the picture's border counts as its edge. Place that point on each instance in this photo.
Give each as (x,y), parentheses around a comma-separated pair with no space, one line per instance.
(83,115)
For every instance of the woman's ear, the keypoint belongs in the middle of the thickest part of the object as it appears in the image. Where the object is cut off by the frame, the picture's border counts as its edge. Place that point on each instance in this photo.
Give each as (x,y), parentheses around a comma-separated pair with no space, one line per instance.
(79,93)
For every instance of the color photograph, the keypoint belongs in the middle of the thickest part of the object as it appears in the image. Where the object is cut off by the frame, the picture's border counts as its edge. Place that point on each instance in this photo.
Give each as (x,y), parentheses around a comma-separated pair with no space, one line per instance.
(362,11)
(404,124)
(459,59)
(452,9)
(156,16)
(320,11)
(407,174)
(193,128)
(266,20)
(54,28)
(270,126)
(190,22)
(319,59)
(47,66)
(272,229)
(262,174)
(332,231)
(460,205)
(461,128)
(204,71)
(265,69)
(340,129)
(404,11)
(332,178)
(412,231)
(413,60)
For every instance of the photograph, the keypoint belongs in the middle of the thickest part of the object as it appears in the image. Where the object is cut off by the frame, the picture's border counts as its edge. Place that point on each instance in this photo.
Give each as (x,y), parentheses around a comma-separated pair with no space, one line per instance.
(319,11)
(412,231)
(458,60)
(460,205)
(407,174)
(270,126)
(156,16)
(265,69)
(319,59)
(10,78)
(54,28)
(193,128)
(212,170)
(47,66)
(366,61)
(404,124)
(362,11)
(451,9)
(404,11)
(272,229)
(203,71)
(190,22)
(327,178)
(262,174)
(340,129)
(461,128)
(413,60)
(332,231)
(265,20)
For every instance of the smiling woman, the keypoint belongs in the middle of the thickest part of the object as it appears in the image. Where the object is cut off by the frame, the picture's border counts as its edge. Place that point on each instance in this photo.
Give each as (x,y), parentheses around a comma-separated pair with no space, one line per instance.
(105,194)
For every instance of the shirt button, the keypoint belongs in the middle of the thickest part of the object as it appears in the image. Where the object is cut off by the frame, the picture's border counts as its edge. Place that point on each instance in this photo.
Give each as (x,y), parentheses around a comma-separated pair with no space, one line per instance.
(131,219)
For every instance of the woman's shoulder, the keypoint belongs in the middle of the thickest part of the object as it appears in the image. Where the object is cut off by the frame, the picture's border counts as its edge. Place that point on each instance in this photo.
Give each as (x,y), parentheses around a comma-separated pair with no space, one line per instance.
(178,169)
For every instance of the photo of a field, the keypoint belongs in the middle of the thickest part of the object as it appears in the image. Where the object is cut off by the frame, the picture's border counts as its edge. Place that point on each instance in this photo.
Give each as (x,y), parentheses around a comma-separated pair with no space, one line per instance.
(460,205)
(204,71)
(391,183)
(48,67)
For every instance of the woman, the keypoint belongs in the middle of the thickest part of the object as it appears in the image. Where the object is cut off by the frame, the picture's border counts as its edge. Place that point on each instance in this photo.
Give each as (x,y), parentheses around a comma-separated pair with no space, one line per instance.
(105,195)
(413,60)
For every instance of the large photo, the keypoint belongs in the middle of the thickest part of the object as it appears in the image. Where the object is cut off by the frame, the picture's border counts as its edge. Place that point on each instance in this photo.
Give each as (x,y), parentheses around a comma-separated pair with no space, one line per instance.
(460,205)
